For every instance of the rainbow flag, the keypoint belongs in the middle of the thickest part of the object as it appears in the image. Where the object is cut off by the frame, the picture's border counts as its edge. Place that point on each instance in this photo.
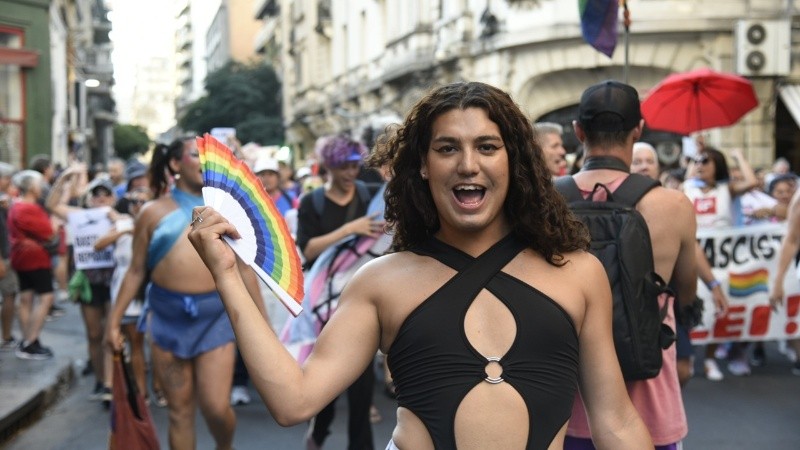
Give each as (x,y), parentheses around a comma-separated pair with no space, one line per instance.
(266,244)
(748,283)
(599,24)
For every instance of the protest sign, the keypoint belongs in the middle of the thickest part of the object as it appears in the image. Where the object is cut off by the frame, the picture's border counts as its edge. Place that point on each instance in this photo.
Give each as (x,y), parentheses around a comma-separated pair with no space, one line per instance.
(85,227)
(744,260)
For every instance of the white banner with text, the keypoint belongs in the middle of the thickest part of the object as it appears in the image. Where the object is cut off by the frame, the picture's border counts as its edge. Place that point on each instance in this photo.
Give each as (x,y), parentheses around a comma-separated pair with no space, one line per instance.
(744,260)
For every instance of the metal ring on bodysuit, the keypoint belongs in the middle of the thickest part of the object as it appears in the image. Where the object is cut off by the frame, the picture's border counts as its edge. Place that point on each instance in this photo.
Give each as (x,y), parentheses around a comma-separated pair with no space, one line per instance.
(493,380)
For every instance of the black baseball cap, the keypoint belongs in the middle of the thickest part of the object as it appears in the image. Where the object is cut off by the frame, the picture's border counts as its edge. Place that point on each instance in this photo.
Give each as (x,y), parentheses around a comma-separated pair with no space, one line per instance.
(617,99)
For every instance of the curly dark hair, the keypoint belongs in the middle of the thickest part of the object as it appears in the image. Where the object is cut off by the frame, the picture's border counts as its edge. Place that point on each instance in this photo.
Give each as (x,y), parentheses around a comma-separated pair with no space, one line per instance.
(536,213)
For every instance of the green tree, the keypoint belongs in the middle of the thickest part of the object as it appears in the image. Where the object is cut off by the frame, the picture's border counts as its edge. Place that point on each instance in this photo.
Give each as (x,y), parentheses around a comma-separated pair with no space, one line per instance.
(130,139)
(243,96)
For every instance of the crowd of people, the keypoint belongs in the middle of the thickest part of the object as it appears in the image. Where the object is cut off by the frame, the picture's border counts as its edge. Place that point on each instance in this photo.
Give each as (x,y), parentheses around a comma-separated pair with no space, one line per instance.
(491,261)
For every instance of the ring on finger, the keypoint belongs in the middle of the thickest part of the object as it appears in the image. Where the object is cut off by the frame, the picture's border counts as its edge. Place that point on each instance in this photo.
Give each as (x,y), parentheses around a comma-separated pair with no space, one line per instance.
(198,219)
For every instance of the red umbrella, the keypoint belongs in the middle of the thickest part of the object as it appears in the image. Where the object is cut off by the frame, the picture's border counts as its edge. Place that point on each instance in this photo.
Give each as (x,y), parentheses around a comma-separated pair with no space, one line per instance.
(697,100)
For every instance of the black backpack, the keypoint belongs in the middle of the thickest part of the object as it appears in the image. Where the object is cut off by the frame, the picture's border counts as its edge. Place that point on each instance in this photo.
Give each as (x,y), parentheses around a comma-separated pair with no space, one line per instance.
(620,239)
(318,199)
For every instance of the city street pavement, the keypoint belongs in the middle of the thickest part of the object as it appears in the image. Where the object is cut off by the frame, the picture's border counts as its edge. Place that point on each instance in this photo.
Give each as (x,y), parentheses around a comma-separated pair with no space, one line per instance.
(759,411)
(73,422)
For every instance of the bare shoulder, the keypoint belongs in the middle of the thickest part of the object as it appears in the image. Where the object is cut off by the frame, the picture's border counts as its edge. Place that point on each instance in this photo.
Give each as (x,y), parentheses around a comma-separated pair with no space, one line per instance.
(154,210)
(581,265)
(577,269)
(666,204)
(394,269)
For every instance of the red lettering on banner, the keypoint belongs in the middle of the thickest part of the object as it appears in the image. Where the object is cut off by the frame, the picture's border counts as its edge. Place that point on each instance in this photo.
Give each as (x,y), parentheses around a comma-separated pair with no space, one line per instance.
(759,322)
(698,334)
(792,308)
(730,325)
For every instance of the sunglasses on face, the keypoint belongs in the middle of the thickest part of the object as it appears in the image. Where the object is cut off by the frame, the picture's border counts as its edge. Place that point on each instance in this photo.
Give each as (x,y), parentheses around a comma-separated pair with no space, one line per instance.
(702,159)
(137,201)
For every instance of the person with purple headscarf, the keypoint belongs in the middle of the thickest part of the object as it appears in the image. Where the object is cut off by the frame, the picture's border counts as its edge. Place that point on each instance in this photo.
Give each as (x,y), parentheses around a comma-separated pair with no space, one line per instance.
(344,213)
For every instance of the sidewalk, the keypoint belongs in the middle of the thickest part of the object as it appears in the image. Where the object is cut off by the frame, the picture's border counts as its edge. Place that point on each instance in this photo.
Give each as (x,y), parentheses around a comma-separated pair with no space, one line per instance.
(27,388)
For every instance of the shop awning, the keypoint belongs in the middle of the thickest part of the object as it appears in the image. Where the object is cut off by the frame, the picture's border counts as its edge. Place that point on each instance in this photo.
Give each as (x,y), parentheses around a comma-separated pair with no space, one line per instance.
(19,57)
(790,94)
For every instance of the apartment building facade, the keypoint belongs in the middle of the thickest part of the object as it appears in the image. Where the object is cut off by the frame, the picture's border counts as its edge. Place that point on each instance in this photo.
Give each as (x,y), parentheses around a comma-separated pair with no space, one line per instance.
(348,64)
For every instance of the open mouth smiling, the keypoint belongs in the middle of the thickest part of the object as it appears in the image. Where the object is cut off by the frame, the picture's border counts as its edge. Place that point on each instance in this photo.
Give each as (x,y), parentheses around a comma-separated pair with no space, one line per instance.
(469,194)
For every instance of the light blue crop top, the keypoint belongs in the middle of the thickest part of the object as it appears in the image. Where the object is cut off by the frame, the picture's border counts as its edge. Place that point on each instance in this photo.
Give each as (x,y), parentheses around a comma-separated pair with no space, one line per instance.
(171,226)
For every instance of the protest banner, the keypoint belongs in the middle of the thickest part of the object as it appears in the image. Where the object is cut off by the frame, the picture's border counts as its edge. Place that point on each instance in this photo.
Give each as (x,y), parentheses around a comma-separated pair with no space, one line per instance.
(744,260)
(86,226)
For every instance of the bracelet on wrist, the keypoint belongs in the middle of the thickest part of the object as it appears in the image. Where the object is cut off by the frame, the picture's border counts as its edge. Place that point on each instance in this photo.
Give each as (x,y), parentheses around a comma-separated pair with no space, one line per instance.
(712,284)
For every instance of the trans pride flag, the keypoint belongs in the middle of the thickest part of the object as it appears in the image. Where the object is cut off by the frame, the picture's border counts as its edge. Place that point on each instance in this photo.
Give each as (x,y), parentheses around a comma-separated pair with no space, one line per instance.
(599,24)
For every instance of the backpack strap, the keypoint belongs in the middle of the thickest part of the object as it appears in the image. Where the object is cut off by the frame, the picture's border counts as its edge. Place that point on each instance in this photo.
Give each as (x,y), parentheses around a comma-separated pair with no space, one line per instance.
(568,188)
(363,192)
(318,200)
(633,188)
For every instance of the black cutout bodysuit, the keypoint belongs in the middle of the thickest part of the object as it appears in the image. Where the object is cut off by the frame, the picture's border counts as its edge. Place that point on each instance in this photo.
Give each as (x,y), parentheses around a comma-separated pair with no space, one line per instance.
(434,366)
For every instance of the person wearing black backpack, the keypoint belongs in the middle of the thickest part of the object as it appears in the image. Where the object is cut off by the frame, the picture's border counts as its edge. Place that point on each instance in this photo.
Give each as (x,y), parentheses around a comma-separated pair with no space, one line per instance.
(608,124)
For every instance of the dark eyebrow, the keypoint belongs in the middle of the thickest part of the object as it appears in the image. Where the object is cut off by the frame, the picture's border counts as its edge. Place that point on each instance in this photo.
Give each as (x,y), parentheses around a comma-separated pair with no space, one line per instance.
(488,138)
(445,139)
(452,140)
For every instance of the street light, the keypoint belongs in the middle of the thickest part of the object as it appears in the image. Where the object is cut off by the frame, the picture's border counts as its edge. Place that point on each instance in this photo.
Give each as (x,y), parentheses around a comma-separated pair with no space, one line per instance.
(92,83)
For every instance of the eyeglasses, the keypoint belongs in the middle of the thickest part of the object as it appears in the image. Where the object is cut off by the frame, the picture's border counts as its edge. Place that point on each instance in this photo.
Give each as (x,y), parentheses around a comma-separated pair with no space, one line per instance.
(137,201)
(702,159)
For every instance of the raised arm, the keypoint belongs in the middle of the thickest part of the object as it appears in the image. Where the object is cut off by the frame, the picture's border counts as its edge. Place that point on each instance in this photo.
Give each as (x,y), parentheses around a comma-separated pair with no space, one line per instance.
(253,288)
(614,421)
(789,248)
(344,349)
(748,181)
(63,189)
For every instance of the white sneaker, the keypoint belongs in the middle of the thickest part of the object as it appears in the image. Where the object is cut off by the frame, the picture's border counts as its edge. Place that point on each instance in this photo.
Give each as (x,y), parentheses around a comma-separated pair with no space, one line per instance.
(712,370)
(239,396)
(62,296)
(739,368)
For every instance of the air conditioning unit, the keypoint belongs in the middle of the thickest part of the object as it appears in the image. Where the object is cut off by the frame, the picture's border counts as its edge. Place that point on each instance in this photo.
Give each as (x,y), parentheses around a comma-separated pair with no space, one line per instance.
(763,47)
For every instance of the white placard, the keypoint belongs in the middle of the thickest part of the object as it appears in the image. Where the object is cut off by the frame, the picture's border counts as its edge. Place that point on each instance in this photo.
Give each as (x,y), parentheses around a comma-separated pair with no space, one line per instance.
(85,227)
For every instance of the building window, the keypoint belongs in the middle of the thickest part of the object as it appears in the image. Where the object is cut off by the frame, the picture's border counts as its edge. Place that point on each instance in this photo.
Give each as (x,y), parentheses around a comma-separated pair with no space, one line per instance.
(12,98)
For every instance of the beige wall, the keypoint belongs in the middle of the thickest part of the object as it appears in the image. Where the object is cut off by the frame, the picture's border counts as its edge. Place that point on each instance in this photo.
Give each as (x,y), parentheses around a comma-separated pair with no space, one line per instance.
(381,57)
(243,29)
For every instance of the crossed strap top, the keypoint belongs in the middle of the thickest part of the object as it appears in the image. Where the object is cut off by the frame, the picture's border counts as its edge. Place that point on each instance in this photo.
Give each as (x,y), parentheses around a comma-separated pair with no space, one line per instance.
(171,226)
(434,366)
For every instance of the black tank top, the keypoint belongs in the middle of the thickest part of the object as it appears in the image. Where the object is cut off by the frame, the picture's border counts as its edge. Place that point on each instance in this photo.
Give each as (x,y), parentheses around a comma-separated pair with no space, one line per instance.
(434,366)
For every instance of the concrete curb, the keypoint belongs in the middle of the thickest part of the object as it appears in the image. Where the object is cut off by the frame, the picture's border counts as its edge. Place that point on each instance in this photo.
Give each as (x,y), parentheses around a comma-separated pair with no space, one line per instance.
(29,388)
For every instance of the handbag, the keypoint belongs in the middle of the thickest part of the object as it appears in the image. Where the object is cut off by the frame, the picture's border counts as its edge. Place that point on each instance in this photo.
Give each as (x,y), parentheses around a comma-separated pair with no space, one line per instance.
(52,245)
(132,426)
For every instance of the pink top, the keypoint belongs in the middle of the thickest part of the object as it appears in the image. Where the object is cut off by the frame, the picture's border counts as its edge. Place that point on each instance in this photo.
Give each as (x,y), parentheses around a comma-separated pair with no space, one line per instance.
(658,400)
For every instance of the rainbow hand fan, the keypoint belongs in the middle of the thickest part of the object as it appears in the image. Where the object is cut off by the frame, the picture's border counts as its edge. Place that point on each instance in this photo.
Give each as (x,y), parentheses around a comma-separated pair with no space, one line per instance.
(266,244)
